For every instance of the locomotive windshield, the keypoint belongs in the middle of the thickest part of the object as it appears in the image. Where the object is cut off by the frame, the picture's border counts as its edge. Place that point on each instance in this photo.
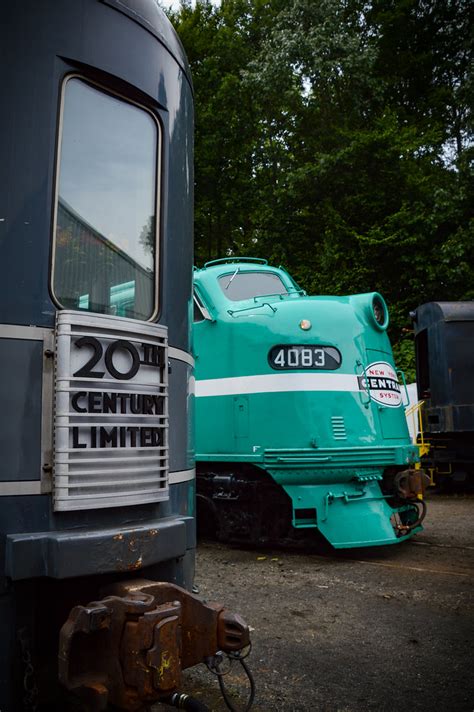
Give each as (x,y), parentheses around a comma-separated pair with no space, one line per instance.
(245,285)
(104,254)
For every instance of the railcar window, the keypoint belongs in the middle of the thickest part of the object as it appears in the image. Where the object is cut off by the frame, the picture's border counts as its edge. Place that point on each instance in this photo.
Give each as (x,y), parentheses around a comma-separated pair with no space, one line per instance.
(245,285)
(104,253)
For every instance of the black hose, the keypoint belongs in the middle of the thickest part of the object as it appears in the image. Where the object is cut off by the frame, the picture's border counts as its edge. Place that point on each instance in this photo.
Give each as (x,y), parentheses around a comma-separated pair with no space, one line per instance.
(229,704)
(421,514)
(420,507)
(184,702)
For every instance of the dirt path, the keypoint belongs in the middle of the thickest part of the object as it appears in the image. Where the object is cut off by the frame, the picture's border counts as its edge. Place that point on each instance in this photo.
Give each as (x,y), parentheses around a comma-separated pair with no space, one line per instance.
(384,630)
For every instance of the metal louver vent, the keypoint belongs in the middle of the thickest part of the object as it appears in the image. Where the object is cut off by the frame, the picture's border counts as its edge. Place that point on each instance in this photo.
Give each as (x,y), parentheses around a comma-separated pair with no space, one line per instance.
(111,414)
(338,427)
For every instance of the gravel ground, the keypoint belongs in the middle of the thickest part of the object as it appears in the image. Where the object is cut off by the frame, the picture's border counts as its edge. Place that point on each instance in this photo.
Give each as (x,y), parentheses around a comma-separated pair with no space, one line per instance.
(384,630)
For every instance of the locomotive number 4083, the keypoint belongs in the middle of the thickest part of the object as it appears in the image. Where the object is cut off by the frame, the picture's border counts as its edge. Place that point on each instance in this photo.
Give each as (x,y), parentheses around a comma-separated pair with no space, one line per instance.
(304,356)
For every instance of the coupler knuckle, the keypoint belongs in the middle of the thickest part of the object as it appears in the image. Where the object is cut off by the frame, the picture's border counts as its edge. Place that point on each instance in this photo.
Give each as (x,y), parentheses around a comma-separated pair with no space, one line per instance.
(129,648)
(411,483)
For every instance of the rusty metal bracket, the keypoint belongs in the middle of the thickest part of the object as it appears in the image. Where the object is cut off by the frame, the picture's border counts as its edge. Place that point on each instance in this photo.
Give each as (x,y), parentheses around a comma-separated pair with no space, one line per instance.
(411,484)
(129,648)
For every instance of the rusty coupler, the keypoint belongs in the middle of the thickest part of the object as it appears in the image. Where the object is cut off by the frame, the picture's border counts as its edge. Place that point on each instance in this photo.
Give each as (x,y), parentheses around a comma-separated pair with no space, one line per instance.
(129,648)
(411,484)
(410,487)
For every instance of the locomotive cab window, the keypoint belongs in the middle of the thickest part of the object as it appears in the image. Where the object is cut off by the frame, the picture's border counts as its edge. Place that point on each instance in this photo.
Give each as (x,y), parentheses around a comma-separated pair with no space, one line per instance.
(106,206)
(239,285)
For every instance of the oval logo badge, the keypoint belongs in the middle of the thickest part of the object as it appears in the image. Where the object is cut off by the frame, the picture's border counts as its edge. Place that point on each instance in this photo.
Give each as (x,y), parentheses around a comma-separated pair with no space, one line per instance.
(381,381)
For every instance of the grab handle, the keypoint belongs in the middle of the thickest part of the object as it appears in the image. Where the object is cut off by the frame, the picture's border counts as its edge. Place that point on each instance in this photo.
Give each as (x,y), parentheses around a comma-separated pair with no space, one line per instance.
(401,374)
(362,378)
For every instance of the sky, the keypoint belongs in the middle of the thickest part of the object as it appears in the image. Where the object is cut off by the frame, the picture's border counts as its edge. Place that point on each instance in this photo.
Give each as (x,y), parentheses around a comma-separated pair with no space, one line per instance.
(174,4)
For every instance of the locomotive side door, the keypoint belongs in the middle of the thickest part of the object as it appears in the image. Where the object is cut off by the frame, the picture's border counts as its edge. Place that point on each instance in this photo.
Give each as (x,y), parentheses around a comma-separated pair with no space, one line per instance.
(386,394)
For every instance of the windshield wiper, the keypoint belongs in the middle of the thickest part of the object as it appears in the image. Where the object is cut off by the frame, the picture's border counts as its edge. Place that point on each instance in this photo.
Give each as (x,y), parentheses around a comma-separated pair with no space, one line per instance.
(230,280)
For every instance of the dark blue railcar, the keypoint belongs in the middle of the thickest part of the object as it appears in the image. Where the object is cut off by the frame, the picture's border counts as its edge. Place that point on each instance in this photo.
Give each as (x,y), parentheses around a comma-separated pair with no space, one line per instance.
(97,472)
(444,339)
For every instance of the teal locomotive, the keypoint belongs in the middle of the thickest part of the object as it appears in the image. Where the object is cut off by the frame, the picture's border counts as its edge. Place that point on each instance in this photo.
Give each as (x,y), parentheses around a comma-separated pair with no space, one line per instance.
(300,421)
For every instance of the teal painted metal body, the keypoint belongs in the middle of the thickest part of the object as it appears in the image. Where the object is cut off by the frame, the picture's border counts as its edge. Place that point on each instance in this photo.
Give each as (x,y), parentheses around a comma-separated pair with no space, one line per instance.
(304,389)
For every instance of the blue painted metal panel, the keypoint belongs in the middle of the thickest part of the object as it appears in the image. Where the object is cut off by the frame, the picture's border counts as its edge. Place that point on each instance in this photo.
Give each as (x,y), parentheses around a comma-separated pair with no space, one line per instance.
(21,362)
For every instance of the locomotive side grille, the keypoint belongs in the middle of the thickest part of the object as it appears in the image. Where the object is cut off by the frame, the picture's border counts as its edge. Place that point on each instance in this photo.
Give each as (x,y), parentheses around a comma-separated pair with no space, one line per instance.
(324,458)
(338,427)
(111,433)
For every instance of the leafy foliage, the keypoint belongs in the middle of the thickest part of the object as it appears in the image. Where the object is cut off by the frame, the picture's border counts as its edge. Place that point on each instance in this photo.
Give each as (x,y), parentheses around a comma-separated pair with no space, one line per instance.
(335,137)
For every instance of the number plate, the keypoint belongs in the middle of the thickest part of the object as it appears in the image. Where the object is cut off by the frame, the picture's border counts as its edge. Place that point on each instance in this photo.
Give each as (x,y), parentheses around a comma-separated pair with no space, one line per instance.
(304,357)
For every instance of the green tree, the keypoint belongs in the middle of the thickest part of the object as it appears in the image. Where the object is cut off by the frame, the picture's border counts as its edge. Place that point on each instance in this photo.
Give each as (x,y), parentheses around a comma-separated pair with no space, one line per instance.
(335,137)
(219,43)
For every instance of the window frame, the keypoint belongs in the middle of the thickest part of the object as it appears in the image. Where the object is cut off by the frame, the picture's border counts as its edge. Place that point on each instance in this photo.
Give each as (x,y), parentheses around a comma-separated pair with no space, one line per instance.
(203,310)
(253,271)
(157,197)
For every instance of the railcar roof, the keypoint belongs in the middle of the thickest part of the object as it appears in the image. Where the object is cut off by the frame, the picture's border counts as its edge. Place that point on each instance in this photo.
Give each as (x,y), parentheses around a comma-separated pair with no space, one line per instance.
(149,15)
(433,312)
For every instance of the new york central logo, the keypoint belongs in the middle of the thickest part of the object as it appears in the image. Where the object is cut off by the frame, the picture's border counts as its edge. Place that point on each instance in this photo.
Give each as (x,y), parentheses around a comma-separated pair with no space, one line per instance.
(381,382)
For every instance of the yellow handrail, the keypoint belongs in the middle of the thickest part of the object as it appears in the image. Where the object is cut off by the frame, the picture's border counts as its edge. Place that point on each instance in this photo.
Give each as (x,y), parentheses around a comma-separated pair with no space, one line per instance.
(418,435)
(415,411)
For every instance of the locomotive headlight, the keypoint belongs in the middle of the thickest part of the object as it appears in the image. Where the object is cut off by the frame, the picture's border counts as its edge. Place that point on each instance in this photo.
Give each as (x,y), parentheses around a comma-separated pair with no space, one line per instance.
(379,311)
(305,324)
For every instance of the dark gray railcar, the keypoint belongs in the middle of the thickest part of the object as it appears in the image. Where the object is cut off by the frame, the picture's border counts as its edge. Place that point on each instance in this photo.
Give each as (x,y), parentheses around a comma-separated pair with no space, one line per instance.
(97,469)
(444,339)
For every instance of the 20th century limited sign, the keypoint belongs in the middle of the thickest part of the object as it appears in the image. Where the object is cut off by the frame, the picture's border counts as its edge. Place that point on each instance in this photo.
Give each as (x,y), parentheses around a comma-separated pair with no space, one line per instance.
(381,382)
(111,417)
